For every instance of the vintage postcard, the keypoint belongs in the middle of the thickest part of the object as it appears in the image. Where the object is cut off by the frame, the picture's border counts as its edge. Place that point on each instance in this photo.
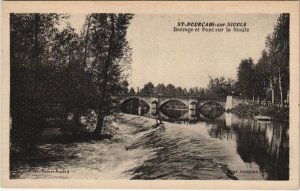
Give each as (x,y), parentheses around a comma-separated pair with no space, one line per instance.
(178,95)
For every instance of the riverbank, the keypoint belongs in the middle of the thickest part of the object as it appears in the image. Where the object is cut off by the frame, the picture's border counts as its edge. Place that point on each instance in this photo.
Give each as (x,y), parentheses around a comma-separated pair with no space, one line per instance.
(109,158)
(245,109)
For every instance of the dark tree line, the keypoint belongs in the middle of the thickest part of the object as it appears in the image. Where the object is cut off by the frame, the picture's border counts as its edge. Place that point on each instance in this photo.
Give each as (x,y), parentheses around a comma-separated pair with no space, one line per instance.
(55,72)
(268,79)
(217,87)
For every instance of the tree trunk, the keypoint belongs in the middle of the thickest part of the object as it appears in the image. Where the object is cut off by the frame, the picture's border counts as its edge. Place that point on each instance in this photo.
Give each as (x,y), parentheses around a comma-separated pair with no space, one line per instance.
(266,92)
(272,90)
(271,81)
(103,87)
(280,88)
(86,42)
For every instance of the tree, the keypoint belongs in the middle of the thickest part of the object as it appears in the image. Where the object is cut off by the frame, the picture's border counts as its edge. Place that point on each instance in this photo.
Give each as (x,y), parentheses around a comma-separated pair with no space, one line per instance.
(272,69)
(271,66)
(178,91)
(107,58)
(148,88)
(277,49)
(262,76)
(220,87)
(32,39)
(245,75)
(160,88)
(53,67)
(185,91)
(69,50)
(170,90)
(131,91)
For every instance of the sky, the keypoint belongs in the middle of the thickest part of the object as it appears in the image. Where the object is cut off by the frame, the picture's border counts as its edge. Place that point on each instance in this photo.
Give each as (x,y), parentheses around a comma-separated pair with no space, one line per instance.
(77,21)
(160,55)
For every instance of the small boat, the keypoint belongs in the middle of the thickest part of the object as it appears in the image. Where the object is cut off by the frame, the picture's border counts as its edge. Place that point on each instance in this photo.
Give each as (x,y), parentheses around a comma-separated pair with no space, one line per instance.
(262,118)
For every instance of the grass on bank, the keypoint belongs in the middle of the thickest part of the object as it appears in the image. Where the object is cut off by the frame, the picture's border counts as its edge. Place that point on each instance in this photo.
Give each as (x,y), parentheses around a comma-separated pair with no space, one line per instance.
(252,109)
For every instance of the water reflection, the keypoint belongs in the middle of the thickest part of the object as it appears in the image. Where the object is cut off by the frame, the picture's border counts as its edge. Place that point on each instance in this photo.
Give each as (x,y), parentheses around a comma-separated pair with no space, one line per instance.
(172,114)
(263,143)
(211,110)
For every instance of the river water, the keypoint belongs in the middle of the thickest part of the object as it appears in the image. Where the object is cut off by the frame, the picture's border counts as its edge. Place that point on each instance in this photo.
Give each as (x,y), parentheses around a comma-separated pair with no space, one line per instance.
(227,147)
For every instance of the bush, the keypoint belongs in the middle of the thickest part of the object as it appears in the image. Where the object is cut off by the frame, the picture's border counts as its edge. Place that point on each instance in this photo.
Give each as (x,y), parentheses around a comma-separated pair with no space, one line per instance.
(276,113)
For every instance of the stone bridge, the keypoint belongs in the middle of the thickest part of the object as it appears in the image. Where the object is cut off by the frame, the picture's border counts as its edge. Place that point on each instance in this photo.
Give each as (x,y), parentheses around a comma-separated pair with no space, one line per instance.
(192,102)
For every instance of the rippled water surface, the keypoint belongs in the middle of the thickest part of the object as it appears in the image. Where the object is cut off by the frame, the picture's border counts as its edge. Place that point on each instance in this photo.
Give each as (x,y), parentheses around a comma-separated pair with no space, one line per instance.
(225,148)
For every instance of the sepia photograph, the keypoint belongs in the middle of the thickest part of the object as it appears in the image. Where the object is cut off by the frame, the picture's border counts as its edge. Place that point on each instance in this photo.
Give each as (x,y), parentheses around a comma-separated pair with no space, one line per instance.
(139,96)
(89,97)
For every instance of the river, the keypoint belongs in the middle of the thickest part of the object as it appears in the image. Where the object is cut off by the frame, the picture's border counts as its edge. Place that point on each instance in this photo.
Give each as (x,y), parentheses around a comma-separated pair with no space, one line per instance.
(227,147)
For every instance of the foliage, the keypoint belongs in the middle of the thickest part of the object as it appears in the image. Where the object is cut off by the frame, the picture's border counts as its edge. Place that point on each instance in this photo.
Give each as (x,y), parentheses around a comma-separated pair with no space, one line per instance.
(268,79)
(34,73)
(56,72)
(221,87)
(131,91)
(107,59)
(148,88)
(218,87)
(276,113)
(246,77)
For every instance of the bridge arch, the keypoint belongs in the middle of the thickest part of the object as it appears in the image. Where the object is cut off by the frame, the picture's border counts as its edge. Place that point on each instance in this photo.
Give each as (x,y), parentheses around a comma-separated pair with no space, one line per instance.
(154,102)
(211,109)
(134,105)
(181,103)
(216,103)
(134,97)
